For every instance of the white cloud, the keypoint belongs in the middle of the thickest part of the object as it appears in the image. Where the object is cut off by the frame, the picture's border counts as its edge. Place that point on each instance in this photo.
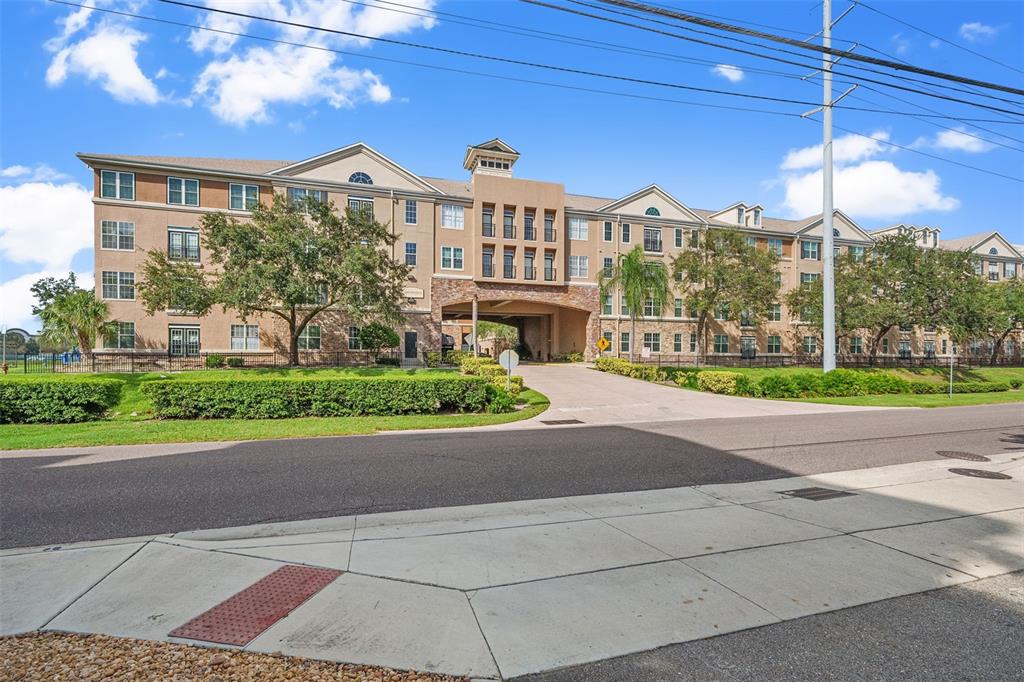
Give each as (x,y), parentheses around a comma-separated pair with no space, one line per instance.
(109,56)
(956,140)
(900,44)
(241,86)
(45,223)
(977,32)
(16,299)
(845,149)
(733,74)
(38,173)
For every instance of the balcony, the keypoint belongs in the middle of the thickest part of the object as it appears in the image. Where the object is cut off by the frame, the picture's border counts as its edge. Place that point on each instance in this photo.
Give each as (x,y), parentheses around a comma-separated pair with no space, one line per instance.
(488,229)
(509,271)
(488,270)
(549,274)
(529,272)
(530,233)
(549,234)
(508,231)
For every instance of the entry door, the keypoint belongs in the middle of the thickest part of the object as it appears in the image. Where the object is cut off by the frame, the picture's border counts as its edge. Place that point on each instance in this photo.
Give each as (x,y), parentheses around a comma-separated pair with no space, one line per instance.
(410,345)
(184,341)
(748,346)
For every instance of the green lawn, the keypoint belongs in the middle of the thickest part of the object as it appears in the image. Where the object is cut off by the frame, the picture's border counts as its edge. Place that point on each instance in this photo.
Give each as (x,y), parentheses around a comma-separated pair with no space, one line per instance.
(931,400)
(124,428)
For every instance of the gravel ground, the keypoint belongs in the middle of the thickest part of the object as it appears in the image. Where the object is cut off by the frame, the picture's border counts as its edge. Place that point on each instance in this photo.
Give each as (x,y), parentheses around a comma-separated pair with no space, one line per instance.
(52,656)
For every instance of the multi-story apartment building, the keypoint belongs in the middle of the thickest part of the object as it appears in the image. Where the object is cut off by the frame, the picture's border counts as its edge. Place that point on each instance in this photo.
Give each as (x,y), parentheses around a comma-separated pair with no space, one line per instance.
(524,252)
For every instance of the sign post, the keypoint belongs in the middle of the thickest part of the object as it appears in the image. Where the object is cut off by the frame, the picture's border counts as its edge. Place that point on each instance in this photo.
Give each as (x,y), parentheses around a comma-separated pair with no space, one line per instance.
(508,359)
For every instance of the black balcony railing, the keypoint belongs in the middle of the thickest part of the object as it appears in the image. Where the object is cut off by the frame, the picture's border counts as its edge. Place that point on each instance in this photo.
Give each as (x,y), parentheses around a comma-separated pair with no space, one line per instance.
(488,229)
(529,272)
(488,270)
(549,274)
(509,231)
(509,271)
(529,233)
(549,234)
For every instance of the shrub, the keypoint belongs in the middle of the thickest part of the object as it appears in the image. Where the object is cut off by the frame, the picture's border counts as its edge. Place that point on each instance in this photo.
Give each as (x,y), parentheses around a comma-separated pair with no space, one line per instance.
(392,362)
(499,401)
(777,386)
(980,386)
(806,384)
(432,358)
(1016,383)
(46,400)
(877,383)
(516,385)
(841,382)
(726,383)
(472,365)
(214,361)
(925,387)
(376,337)
(236,362)
(629,369)
(574,356)
(261,398)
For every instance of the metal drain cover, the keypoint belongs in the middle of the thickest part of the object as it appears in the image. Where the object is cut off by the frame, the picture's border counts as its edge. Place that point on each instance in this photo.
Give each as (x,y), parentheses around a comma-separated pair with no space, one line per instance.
(816,494)
(956,454)
(559,422)
(981,473)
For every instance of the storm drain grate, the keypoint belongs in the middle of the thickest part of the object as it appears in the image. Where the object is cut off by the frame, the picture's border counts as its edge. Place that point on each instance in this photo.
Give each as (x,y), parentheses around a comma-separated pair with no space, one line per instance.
(815,494)
(239,619)
(956,454)
(981,473)
(559,422)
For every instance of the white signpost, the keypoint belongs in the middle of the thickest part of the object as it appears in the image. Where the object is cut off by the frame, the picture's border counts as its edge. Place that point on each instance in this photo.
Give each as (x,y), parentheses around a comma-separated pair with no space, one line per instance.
(509,359)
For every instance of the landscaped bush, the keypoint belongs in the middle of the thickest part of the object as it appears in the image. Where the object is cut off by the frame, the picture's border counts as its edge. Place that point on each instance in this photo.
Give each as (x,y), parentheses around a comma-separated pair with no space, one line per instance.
(726,383)
(777,386)
(214,361)
(630,369)
(877,383)
(807,384)
(46,400)
(390,362)
(569,357)
(980,387)
(473,366)
(260,398)
(236,362)
(499,401)
(1015,383)
(841,382)
(515,386)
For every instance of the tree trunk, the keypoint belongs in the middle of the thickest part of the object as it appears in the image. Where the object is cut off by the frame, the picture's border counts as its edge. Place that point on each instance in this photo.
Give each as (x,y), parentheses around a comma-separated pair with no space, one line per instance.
(876,341)
(998,346)
(293,348)
(702,328)
(632,337)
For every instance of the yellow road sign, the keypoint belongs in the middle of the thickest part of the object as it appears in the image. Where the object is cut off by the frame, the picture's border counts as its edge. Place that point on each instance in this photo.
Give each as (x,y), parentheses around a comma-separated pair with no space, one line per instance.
(602,344)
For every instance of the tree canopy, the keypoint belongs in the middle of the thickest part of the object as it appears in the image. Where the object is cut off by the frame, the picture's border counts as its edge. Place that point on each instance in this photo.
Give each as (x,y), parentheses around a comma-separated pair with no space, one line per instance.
(638,280)
(71,316)
(292,260)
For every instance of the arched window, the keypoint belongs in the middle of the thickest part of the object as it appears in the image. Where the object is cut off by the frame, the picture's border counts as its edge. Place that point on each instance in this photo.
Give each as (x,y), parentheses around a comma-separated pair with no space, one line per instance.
(993,251)
(652,211)
(835,231)
(361,178)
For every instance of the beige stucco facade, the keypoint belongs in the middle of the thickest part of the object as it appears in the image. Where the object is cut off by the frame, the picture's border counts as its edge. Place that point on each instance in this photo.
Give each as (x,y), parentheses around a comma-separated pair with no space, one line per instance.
(528,252)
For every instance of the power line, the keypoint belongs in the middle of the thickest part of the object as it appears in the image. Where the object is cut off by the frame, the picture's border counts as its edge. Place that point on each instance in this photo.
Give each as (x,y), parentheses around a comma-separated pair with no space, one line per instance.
(514,79)
(845,54)
(760,55)
(937,37)
(520,62)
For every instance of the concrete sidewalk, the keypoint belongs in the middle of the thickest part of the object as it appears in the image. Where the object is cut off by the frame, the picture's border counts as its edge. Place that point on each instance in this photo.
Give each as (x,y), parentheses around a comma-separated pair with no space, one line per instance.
(501,590)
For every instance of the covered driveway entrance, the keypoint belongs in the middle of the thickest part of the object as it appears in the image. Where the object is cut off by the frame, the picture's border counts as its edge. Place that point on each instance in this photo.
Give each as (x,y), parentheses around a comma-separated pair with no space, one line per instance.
(545,330)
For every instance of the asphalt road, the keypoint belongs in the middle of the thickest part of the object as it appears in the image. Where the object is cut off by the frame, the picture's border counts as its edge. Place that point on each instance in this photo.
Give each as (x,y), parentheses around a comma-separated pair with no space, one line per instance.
(264,481)
(968,632)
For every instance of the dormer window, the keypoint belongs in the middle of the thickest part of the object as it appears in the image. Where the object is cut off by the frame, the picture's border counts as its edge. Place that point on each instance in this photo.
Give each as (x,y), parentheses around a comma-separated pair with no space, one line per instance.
(741,215)
(494,163)
(757,217)
(652,211)
(993,251)
(360,178)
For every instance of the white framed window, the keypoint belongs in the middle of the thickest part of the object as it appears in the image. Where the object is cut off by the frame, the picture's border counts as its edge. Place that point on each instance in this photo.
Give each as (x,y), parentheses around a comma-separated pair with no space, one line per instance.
(623,307)
(183,341)
(117,185)
(353,338)
(652,340)
(679,237)
(625,233)
(810,250)
(297,195)
(453,217)
(857,253)
(451,258)
(652,308)
(741,215)
(808,277)
(122,337)
(693,342)
(775,246)
(245,337)
(410,253)
(608,266)
(183,244)
(118,285)
(410,212)
(623,342)
(183,191)
(117,236)
(810,345)
(309,339)
(606,304)
(775,344)
(578,229)
(752,241)
(579,266)
(677,309)
(677,343)
(1009,270)
(993,271)
(757,217)
(856,345)
(721,343)
(362,205)
(608,234)
(243,197)
(775,314)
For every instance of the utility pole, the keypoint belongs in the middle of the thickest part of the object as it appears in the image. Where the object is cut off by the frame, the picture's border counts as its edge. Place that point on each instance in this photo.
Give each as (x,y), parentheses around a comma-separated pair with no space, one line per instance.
(828,288)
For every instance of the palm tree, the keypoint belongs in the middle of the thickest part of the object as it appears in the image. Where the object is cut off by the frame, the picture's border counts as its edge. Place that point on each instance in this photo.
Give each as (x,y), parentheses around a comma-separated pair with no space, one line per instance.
(75,319)
(639,280)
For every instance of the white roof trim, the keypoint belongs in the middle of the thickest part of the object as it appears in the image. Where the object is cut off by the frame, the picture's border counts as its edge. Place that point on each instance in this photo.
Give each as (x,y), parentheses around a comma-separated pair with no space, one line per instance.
(349,150)
(610,208)
(821,219)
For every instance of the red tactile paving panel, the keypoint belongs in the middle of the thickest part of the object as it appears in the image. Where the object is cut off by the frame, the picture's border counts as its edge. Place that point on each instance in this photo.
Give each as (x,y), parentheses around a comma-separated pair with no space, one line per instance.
(239,619)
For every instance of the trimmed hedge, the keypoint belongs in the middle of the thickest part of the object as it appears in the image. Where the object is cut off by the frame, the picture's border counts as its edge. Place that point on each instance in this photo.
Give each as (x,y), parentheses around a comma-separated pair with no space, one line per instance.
(629,369)
(725,383)
(261,398)
(46,400)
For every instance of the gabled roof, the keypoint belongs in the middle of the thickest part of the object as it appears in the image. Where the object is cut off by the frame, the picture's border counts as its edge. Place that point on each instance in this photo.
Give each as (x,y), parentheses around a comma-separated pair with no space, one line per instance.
(973,241)
(352,150)
(733,207)
(820,219)
(246,166)
(496,145)
(652,188)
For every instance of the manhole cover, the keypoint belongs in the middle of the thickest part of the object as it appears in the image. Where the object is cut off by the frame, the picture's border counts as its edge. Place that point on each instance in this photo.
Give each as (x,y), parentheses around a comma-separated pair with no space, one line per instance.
(956,454)
(981,473)
(559,422)
(815,494)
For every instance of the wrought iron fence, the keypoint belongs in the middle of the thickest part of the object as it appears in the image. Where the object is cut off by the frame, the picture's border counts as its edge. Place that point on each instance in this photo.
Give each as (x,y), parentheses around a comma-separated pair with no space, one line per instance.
(103,362)
(846,362)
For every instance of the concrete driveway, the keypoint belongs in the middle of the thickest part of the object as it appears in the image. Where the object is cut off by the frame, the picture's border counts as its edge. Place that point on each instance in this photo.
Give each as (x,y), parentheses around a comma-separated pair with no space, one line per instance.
(592,397)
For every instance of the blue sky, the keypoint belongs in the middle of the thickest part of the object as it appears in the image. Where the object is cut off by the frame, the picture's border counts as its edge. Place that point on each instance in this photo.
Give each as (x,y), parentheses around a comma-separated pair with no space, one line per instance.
(80,80)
